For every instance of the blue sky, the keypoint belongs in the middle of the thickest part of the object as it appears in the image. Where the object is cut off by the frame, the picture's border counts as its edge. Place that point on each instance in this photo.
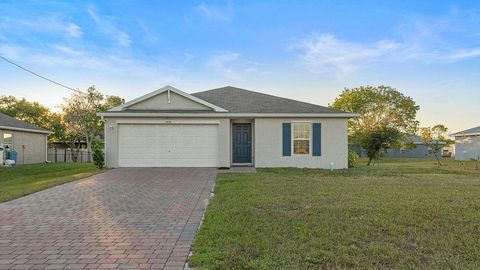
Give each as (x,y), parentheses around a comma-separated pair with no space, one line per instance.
(306,50)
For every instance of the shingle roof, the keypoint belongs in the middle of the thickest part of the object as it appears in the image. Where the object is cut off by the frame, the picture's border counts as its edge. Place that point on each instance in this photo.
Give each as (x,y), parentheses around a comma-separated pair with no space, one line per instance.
(13,123)
(471,131)
(237,100)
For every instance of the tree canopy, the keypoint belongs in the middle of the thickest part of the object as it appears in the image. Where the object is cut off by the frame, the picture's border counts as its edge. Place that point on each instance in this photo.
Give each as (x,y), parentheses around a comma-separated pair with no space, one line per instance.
(33,113)
(386,116)
(435,139)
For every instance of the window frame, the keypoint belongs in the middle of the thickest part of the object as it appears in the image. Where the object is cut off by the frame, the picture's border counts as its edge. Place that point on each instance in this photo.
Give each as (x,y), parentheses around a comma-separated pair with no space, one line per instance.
(11,143)
(310,135)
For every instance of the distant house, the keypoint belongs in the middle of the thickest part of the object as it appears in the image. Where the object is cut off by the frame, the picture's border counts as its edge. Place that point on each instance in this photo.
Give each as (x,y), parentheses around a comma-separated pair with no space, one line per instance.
(467,143)
(29,141)
(420,150)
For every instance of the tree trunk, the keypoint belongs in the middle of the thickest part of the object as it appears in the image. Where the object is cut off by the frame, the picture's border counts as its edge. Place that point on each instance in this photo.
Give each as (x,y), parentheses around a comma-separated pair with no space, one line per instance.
(369,161)
(89,147)
(436,156)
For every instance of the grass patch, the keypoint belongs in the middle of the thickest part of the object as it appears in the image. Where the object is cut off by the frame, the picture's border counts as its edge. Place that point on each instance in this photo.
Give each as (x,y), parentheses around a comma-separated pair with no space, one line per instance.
(26,179)
(403,213)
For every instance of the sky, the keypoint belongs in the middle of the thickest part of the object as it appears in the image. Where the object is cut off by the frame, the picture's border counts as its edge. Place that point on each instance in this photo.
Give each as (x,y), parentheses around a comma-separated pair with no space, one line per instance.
(305,50)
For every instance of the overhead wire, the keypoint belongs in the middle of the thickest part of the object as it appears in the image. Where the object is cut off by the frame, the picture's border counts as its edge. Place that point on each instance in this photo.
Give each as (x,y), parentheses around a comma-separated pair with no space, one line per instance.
(41,76)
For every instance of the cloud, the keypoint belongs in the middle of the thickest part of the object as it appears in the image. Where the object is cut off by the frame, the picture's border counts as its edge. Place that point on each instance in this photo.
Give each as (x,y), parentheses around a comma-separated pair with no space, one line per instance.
(320,53)
(458,55)
(216,13)
(230,65)
(443,39)
(107,26)
(45,23)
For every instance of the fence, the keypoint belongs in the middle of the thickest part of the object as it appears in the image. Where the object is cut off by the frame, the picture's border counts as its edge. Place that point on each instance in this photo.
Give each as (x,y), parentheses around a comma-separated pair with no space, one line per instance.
(65,155)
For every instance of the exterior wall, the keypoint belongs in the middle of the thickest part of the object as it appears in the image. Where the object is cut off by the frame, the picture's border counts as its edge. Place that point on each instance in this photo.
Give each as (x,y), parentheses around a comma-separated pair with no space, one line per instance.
(420,150)
(467,147)
(268,144)
(31,147)
(160,102)
(111,135)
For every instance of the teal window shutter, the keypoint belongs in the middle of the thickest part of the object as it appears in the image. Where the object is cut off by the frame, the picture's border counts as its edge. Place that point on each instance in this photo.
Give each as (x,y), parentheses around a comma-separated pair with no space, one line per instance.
(317,139)
(287,139)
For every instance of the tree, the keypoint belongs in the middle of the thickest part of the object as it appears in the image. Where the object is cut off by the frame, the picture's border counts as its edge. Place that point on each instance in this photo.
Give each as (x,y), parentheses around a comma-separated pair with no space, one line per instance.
(33,113)
(434,138)
(386,116)
(80,117)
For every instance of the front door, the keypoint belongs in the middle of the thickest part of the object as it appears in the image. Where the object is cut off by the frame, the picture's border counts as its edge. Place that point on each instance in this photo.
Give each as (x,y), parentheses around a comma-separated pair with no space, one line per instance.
(242,143)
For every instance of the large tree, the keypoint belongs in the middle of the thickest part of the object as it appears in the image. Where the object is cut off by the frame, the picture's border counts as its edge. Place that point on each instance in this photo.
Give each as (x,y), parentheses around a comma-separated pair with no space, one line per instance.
(435,139)
(80,117)
(33,113)
(386,116)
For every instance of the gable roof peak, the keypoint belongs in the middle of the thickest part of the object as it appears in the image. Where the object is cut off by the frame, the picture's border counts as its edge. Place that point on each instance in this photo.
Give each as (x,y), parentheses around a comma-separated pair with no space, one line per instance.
(162,90)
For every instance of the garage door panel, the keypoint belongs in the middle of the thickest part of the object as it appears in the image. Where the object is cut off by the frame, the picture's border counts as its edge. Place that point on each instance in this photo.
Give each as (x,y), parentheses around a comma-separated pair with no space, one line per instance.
(168,145)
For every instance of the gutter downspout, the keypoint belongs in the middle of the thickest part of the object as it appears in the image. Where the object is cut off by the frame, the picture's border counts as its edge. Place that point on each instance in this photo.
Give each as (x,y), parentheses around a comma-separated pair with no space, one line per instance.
(104,140)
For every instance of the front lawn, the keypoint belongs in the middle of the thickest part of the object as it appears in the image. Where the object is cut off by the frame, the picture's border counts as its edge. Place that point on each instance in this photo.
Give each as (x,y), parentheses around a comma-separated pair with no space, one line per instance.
(403,213)
(25,179)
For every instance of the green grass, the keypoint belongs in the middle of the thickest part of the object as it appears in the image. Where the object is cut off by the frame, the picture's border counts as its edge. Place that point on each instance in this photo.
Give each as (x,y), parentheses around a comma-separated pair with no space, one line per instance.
(401,214)
(25,179)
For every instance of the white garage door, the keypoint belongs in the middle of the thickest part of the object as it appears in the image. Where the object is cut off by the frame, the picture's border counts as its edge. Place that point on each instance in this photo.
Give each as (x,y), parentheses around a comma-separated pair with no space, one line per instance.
(167,145)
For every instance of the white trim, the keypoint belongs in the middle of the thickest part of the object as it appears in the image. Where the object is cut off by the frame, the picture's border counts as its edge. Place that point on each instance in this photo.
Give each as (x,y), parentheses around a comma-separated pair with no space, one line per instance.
(168,89)
(25,129)
(229,115)
(46,148)
(309,138)
(167,122)
(464,134)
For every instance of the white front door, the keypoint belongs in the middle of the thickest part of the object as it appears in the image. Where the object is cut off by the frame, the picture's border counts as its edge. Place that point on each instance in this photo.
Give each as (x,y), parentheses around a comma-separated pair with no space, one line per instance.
(156,145)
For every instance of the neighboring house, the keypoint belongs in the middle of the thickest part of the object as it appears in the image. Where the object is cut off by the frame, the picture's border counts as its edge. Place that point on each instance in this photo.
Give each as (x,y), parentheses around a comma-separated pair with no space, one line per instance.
(420,149)
(29,141)
(221,128)
(467,144)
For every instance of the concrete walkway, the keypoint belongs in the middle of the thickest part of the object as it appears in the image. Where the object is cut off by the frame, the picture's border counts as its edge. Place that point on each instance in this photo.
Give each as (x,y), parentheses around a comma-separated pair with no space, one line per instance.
(129,218)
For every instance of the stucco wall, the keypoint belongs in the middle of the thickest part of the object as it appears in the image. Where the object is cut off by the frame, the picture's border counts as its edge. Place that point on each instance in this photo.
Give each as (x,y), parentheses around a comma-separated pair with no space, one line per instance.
(268,144)
(160,102)
(467,147)
(30,147)
(111,135)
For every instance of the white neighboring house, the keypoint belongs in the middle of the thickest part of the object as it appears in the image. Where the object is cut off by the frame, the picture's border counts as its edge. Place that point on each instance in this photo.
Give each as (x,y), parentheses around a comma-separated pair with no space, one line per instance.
(467,144)
(224,127)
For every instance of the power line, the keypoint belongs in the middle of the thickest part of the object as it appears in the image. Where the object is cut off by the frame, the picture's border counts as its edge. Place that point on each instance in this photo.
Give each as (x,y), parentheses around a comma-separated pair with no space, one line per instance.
(40,76)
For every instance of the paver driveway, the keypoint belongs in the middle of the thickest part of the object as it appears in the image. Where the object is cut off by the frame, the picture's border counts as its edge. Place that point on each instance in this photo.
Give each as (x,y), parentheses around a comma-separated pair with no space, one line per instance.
(137,218)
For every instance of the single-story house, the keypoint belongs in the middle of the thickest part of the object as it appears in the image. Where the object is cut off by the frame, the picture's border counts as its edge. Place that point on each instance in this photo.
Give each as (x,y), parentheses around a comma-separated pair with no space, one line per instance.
(224,127)
(29,141)
(420,149)
(467,144)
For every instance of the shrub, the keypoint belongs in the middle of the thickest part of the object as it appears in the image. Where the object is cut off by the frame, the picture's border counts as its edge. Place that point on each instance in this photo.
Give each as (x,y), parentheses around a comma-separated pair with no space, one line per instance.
(98,156)
(352,158)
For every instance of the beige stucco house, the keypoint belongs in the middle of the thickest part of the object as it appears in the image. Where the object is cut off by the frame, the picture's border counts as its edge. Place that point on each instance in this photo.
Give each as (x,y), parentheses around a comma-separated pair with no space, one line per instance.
(224,127)
(467,144)
(29,141)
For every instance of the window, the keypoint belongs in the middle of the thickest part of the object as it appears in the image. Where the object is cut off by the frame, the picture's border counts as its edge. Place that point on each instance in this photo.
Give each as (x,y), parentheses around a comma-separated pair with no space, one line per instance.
(301,138)
(7,141)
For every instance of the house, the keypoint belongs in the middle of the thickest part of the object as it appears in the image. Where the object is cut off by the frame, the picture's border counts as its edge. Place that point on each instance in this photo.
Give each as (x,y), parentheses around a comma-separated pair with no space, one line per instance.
(420,149)
(467,144)
(29,141)
(221,128)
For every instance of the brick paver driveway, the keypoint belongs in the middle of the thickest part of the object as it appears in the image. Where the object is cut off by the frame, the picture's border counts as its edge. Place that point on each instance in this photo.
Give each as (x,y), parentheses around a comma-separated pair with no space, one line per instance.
(137,218)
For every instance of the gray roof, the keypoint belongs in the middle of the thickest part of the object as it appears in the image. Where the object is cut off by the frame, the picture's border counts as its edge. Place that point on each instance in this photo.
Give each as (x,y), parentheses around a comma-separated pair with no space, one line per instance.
(237,100)
(7,122)
(471,131)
